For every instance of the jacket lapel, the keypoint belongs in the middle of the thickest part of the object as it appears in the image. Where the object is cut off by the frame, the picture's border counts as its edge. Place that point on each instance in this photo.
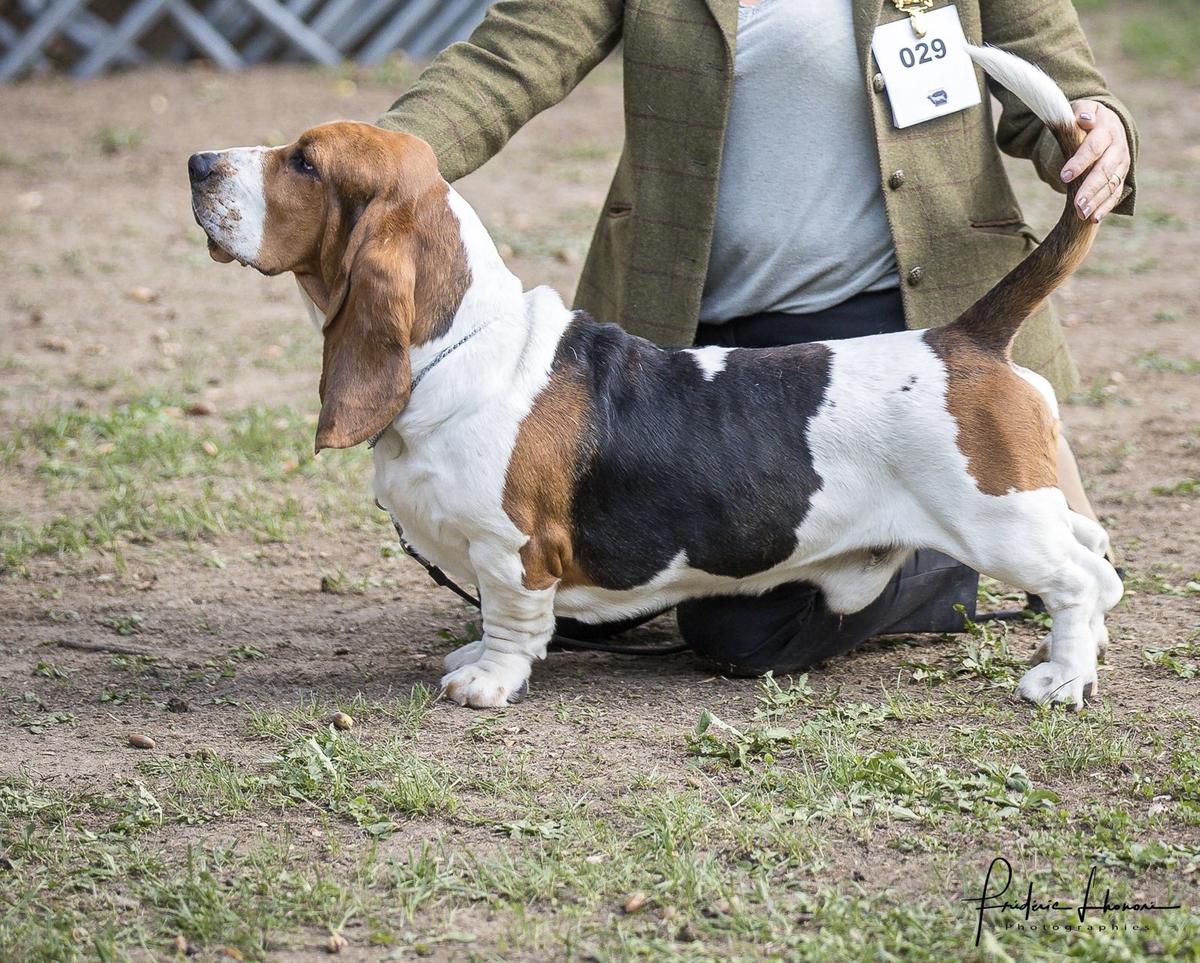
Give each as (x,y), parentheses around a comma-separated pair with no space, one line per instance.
(725,12)
(866,16)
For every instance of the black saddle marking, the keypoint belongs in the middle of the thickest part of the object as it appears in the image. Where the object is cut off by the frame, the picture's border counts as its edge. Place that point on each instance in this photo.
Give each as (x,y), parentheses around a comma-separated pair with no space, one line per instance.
(720,469)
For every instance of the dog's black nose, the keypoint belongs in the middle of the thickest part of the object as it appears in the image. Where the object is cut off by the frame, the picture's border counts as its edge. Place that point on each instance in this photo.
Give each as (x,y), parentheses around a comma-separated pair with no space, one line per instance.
(200,166)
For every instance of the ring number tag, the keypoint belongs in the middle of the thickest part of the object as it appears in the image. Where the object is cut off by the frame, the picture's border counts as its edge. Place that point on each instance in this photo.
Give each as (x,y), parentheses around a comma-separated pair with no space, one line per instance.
(927,76)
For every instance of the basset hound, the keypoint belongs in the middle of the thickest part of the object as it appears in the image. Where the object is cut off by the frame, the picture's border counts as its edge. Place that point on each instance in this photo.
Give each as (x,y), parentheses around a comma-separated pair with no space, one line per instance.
(568,468)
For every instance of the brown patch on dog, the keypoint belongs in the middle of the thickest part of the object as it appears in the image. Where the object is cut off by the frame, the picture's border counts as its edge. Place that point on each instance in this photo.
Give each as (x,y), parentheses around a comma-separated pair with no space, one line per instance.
(297,221)
(539,485)
(1005,428)
(362,217)
(366,374)
(443,274)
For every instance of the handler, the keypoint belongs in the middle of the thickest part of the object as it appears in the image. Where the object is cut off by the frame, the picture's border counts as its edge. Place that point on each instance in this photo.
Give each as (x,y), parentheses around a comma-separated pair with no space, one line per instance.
(765,197)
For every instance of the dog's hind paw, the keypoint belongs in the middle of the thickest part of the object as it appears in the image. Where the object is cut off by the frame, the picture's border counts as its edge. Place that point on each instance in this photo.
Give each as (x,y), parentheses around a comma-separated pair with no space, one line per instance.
(1053,682)
(485,684)
(463,655)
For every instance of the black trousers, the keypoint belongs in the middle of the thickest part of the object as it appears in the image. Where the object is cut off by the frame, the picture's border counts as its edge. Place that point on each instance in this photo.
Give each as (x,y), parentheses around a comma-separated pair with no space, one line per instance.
(790,627)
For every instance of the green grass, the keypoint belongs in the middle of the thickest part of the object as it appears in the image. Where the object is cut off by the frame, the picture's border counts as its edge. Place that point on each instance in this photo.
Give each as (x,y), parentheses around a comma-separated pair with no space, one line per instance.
(1162,38)
(119,140)
(1155,361)
(1183,659)
(1100,393)
(1188,486)
(143,471)
(407,713)
(1166,41)
(339,582)
(128,624)
(745,852)
(1157,581)
(371,786)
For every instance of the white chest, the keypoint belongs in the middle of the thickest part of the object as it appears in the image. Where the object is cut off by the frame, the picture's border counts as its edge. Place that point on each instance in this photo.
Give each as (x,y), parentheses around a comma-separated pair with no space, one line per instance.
(446,490)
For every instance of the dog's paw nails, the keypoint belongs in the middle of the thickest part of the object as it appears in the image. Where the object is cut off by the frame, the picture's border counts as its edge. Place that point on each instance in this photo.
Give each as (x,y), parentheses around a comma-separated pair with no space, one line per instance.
(463,655)
(1053,682)
(484,686)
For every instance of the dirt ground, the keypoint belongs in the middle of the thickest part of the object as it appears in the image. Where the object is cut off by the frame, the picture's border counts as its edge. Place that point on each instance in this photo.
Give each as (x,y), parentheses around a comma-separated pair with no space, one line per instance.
(291,602)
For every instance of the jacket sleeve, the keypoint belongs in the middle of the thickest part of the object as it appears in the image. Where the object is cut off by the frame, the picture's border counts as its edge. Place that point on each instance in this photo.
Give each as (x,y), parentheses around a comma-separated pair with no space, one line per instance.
(1048,33)
(525,56)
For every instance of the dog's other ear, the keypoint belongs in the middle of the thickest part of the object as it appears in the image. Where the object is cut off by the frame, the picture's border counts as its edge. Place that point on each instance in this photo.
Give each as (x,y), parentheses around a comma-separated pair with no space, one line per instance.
(366,375)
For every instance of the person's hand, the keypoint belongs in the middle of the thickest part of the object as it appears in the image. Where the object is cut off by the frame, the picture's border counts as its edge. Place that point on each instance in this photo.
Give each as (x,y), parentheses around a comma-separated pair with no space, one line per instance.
(1105,149)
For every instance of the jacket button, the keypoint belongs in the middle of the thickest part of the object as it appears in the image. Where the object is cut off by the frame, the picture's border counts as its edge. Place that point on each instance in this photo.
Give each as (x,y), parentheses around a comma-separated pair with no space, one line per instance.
(914,277)
(878,83)
(896,180)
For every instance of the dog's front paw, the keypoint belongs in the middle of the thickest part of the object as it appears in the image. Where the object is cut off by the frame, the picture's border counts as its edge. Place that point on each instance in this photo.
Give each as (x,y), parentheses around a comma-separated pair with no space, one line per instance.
(463,655)
(486,684)
(1055,682)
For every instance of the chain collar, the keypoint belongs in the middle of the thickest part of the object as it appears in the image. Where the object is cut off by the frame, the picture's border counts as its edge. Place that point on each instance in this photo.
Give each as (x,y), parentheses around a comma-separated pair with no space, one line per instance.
(433,363)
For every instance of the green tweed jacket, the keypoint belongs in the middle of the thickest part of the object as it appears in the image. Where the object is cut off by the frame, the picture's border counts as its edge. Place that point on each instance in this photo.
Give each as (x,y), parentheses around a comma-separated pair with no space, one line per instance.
(956,225)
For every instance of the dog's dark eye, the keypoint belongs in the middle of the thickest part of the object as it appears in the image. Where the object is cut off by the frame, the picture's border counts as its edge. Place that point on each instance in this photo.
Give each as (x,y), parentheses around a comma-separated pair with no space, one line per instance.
(300,164)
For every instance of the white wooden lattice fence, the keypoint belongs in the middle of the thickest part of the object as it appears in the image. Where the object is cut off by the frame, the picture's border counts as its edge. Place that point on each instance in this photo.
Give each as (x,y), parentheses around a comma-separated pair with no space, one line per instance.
(87,37)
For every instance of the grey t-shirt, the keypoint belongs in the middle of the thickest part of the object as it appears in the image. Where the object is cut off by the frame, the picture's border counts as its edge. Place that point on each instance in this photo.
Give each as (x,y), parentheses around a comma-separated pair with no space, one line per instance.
(800,221)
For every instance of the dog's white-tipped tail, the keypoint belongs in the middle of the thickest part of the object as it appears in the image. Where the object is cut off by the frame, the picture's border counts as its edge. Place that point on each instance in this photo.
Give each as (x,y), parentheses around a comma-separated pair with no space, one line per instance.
(994,319)
(1032,84)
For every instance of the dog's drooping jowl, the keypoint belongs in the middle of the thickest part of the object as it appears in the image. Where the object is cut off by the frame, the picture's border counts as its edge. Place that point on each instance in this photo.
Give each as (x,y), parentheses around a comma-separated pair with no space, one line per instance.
(568,468)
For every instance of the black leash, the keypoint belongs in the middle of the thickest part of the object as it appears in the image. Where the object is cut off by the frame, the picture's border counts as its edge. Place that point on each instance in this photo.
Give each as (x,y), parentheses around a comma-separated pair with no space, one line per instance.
(557,641)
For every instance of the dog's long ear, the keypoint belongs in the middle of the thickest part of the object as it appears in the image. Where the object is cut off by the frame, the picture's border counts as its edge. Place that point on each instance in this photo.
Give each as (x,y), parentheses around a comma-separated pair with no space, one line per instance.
(366,375)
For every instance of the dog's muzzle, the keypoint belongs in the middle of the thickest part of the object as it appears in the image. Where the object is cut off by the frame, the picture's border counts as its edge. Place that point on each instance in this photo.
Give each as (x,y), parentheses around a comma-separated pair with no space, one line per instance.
(200,170)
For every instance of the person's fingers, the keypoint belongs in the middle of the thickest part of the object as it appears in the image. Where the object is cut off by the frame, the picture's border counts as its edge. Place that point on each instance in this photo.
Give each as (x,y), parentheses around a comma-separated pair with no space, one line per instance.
(1094,192)
(1094,144)
(1103,207)
(1103,156)
(1086,112)
(1097,183)
(1105,182)
(1113,200)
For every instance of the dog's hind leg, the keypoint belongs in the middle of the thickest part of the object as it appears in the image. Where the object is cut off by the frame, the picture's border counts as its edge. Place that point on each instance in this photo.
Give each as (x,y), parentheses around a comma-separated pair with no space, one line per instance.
(1065,665)
(1031,542)
(1091,535)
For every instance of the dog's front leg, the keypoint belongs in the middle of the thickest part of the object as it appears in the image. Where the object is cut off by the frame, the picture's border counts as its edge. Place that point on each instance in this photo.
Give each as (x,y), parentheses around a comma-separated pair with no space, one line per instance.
(517,626)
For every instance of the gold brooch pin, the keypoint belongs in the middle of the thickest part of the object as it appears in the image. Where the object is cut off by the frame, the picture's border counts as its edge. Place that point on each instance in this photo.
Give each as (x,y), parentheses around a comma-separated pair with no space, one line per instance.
(916,13)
